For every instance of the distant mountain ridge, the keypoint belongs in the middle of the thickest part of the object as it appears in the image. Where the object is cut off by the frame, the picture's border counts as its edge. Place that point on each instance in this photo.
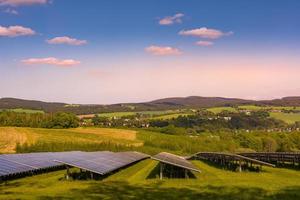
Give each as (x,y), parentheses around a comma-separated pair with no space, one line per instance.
(201,101)
(160,104)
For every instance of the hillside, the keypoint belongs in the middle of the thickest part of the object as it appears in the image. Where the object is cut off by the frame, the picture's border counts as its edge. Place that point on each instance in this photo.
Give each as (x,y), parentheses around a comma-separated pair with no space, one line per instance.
(160,104)
(139,182)
(196,101)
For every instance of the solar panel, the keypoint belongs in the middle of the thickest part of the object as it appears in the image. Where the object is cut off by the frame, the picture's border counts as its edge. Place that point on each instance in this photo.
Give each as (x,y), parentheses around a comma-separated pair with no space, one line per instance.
(229,156)
(175,160)
(98,162)
(8,167)
(104,162)
(11,164)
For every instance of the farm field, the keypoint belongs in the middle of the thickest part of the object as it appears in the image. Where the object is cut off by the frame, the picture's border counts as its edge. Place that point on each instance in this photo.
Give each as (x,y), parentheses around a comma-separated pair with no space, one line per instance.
(59,138)
(170,116)
(126,114)
(217,110)
(22,140)
(152,114)
(289,118)
(140,182)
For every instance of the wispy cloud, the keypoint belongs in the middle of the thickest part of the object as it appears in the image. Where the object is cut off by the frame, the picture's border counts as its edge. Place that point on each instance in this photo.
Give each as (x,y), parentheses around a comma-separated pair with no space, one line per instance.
(15,31)
(16,3)
(66,40)
(169,20)
(11,11)
(205,33)
(204,43)
(51,61)
(162,50)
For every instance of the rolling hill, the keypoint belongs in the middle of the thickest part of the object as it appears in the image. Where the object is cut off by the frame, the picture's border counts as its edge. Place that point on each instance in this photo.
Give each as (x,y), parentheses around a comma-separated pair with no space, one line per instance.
(160,104)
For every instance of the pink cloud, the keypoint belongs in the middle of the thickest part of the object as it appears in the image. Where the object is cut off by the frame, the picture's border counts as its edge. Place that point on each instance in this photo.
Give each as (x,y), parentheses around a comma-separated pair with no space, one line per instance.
(204,43)
(15,31)
(205,33)
(162,50)
(50,61)
(66,40)
(16,3)
(169,20)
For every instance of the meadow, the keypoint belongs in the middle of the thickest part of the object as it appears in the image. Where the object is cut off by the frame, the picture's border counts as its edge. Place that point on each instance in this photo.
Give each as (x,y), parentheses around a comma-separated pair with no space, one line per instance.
(140,182)
(22,140)
(289,118)
(18,139)
(217,110)
(149,114)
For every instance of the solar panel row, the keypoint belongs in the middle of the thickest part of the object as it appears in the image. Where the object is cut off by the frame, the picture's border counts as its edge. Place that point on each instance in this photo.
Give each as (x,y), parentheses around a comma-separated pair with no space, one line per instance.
(175,160)
(11,164)
(8,167)
(99,162)
(104,162)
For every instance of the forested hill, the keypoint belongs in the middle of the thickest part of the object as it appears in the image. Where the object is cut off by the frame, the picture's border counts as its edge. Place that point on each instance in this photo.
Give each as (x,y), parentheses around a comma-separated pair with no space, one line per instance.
(161,104)
(196,101)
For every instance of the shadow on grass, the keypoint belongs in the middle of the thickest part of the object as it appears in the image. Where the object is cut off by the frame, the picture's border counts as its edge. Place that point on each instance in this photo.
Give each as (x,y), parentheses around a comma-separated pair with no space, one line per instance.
(154,174)
(123,190)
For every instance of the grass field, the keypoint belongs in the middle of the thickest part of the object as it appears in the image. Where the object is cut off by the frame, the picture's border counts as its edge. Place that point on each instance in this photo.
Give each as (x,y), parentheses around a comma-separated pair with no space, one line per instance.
(97,139)
(137,182)
(170,116)
(289,118)
(140,180)
(217,110)
(92,139)
(152,114)
(10,136)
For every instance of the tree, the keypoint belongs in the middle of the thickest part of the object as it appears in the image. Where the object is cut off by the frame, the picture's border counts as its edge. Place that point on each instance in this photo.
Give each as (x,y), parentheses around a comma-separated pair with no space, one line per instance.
(269,144)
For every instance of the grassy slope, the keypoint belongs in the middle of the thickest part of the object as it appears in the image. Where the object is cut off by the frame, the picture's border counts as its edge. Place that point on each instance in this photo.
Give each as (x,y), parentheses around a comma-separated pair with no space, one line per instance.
(133,183)
(12,135)
(127,114)
(289,118)
(220,109)
(170,116)
(91,139)
(97,139)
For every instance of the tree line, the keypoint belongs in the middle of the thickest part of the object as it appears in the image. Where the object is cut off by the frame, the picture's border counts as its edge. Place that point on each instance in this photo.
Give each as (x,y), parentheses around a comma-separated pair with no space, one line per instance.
(39,120)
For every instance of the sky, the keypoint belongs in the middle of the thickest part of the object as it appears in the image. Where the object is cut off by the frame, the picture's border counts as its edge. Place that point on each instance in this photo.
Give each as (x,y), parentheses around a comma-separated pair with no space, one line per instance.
(103,52)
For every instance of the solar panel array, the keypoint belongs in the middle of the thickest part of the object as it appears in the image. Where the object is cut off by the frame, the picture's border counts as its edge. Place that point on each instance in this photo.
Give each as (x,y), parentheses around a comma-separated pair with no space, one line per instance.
(215,156)
(175,160)
(99,162)
(103,162)
(12,164)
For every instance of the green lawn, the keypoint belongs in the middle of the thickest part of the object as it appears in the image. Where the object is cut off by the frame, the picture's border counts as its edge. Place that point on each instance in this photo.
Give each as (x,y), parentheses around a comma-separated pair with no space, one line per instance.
(135,182)
(289,118)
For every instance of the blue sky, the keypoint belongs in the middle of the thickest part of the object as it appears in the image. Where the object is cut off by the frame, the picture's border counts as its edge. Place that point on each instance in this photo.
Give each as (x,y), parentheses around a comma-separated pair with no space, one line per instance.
(113,51)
